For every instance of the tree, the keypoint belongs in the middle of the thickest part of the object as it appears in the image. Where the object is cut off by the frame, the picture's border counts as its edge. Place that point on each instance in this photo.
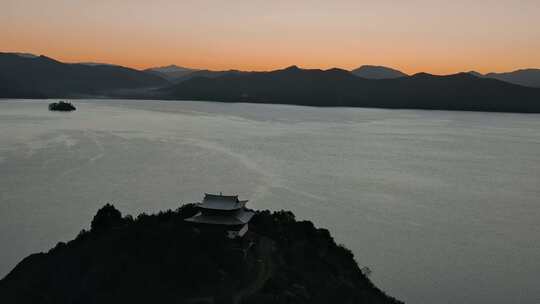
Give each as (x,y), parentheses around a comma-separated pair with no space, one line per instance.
(106,218)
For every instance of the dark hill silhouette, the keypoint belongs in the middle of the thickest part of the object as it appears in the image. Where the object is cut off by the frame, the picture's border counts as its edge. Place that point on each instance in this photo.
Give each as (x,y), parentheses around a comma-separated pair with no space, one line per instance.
(90,63)
(525,77)
(209,74)
(163,259)
(288,86)
(24,76)
(178,74)
(475,73)
(337,87)
(377,72)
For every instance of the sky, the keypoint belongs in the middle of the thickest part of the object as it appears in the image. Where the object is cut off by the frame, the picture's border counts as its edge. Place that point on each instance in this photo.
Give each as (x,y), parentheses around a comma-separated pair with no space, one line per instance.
(440,37)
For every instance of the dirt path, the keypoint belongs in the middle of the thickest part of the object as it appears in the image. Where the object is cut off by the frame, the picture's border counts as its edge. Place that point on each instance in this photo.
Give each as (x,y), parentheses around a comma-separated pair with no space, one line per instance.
(263,252)
(264,266)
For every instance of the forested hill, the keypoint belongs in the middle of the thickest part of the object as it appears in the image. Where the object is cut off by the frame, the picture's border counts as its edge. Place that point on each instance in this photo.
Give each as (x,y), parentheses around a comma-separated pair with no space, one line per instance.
(163,259)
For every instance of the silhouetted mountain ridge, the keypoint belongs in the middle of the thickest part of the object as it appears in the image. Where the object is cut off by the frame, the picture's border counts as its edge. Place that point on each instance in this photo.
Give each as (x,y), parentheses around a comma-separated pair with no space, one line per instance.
(336,87)
(377,72)
(524,77)
(171,72)
(24,76)
(209,74)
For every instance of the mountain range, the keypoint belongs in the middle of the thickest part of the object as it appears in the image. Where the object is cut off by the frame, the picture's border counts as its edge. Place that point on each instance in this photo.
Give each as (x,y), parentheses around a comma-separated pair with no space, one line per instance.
(177,74)
(40,76)
(336,87)
(26,76)
(524,77)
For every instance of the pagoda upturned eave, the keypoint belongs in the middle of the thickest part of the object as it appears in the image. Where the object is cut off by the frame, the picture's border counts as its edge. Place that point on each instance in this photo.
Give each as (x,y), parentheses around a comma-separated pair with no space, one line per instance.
(221,202)
(241,218)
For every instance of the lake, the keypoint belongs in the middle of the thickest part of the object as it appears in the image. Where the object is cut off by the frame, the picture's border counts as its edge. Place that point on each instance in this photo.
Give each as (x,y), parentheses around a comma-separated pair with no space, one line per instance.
(444,207)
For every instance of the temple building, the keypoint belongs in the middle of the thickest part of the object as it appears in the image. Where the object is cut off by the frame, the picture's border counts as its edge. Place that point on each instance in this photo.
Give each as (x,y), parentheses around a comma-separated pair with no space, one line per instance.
(225,212)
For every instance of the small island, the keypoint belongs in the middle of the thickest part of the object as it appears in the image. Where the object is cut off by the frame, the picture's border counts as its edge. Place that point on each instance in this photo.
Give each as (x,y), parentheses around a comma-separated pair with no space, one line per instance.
(62,106)
(194,255)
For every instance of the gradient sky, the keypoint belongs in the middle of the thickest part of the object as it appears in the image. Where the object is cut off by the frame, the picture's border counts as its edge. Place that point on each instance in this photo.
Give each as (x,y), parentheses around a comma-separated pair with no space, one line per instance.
(414,35)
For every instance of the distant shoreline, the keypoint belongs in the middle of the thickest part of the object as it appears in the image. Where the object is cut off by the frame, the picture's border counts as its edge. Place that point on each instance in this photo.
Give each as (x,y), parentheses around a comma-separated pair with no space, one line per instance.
(368,87)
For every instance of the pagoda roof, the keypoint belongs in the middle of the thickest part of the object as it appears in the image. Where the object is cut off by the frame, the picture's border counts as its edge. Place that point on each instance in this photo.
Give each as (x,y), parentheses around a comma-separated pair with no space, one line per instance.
(222,202)
(240,217)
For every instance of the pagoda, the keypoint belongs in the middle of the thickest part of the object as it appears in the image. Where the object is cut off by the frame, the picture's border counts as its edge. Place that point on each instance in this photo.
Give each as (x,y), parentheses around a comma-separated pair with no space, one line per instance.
(224,212)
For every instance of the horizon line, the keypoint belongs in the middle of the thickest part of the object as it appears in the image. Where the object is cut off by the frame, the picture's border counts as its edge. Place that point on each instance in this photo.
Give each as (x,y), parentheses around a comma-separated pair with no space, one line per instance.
(285,66)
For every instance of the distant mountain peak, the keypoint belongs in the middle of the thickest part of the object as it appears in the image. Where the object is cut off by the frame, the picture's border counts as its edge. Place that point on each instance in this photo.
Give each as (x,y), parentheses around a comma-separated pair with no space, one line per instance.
(45,58)
(292,68)
(336,70)
(529,77)
(171,68)
(422,74)
(524,70)
(26,55)
(475,73)
(96,63)
(460,75)
(22,55)
(465,74)
(377,72)
(371,66)
(171,72)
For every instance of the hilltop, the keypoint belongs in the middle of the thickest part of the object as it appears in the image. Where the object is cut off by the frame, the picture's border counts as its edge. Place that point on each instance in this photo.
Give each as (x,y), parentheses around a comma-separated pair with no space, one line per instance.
(524,77)
(377,72)
(171,72)
(161,258)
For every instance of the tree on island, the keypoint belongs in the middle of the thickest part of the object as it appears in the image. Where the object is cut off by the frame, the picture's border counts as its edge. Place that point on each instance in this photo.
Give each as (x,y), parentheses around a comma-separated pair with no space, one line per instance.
(62,106)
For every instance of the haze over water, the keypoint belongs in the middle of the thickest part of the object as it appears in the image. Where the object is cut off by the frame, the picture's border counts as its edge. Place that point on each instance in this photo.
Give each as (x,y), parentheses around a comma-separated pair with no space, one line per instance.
(442,206)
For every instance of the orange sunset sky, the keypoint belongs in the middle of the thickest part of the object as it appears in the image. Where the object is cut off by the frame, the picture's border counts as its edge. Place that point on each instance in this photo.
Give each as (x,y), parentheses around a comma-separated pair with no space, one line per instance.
(440,37)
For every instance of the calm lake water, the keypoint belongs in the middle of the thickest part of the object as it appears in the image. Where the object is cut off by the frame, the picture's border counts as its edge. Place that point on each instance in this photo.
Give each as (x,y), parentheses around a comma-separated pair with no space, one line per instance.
(444,207)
